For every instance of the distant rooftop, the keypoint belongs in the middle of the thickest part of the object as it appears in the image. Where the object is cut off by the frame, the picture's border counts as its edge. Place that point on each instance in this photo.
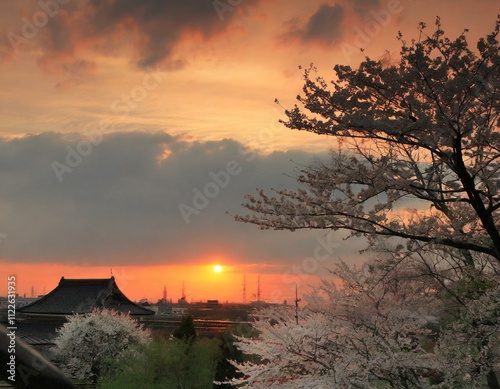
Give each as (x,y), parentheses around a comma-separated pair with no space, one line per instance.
(82,296)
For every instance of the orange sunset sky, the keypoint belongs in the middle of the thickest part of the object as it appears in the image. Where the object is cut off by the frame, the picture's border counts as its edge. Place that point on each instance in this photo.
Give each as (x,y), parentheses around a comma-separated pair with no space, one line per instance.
(131,131)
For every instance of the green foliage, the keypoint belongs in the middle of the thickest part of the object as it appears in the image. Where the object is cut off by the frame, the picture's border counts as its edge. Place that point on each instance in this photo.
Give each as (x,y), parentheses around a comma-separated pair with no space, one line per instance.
(225,369)
(186,329)
(167,364)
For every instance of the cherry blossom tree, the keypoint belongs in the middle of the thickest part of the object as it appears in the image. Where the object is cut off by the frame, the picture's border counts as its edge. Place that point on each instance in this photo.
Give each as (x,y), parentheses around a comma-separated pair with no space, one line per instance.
(417,174)
(88,343)
(377,329)
(468,349)
(366,333)
(423,131)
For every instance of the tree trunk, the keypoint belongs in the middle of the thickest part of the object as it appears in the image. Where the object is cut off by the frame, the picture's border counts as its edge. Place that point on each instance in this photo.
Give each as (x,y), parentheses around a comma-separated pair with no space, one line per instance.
(492,380)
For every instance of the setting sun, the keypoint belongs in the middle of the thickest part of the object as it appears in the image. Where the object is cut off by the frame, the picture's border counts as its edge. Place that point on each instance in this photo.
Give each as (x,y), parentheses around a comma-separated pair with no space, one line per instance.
(217,268)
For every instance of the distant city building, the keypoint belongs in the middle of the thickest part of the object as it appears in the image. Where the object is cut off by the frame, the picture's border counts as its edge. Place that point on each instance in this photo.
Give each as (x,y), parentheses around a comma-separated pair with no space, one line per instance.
(179,311)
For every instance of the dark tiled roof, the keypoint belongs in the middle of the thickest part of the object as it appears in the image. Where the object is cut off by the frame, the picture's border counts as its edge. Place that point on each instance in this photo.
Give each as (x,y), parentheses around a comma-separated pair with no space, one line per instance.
(83,295)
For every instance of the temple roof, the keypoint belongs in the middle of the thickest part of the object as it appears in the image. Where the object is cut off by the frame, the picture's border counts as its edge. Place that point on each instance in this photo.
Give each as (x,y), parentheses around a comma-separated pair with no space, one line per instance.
(82,296)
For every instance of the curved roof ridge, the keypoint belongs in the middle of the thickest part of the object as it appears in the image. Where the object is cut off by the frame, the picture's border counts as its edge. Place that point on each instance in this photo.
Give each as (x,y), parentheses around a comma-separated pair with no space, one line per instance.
(82,295)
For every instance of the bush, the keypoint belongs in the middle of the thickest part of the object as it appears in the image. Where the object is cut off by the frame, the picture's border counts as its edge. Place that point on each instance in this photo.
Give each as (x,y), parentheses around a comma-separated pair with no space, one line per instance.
(167,364)
(186,330)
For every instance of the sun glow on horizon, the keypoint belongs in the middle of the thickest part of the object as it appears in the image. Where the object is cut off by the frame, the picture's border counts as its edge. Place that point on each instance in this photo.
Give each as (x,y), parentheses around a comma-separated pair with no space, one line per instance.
(217,269)
(199,282)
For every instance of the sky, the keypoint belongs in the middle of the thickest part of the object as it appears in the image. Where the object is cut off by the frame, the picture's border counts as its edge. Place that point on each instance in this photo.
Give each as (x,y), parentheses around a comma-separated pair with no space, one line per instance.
(131,131)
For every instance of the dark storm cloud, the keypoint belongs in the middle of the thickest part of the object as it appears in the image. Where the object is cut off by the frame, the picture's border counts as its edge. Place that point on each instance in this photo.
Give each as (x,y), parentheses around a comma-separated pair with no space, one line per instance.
(324,26)
(150,29)
(158,24)
(119,202)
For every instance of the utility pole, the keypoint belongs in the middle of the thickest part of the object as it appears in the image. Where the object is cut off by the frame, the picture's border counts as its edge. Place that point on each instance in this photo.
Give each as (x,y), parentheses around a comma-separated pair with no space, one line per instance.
(296,305)
(258,289)
(244,289)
